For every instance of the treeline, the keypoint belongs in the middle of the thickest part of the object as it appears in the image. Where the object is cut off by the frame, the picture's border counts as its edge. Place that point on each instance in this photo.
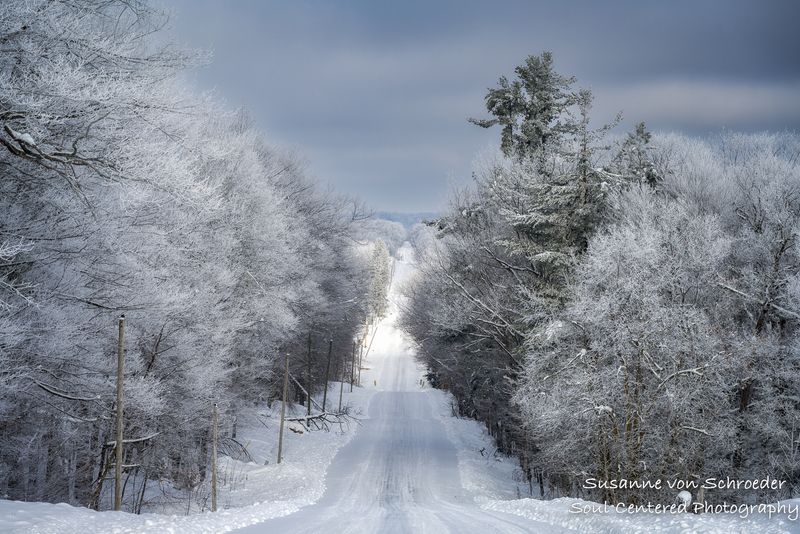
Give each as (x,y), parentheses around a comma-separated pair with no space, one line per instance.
(125,192)
(619,309)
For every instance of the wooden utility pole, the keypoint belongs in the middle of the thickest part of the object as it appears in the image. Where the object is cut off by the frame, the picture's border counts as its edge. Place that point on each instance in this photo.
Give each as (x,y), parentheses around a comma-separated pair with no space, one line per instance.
(118,441)
(369,347)
(214,439)
(309,386)
(360,358)
(353,367)
(283,407)
(342,371)
(327,374)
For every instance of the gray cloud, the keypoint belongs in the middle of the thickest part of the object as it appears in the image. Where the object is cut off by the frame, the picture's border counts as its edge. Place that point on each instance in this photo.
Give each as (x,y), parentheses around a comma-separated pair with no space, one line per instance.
(708,104)
(376,94)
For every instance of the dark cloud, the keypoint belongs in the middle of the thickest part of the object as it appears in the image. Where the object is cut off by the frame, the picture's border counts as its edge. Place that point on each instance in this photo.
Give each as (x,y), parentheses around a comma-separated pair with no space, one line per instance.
(376,93)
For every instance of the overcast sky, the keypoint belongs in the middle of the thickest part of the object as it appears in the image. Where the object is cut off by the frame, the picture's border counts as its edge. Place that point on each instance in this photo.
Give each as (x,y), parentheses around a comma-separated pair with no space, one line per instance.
(375,94)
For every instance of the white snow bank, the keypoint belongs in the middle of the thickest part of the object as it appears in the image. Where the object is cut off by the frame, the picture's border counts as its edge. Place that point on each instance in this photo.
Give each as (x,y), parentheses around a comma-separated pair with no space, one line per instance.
(45,518)
(585,516)
(256,491)
(485,472)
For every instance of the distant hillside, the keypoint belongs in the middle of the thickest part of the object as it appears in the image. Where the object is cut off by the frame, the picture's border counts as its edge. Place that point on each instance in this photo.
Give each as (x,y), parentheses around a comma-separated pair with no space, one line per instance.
(407,219)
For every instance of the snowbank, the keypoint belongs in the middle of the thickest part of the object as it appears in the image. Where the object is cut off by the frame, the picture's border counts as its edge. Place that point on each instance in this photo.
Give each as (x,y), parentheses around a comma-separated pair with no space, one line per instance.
(570,513)
(251,492)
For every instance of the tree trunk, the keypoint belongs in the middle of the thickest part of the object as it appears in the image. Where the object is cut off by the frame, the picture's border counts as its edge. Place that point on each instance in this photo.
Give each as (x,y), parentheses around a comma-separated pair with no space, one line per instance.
(283,407)
(342,370)
(309,386)
(118,444)
(327,374)
(353,367)
(214,438)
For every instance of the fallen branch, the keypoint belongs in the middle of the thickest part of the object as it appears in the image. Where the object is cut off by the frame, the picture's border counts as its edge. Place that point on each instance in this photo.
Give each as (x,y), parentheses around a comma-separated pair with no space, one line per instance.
(234,449)
(325,420)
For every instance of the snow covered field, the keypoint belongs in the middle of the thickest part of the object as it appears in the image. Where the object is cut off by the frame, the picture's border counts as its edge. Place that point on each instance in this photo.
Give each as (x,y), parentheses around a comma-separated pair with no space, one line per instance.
(408,467)
(250,491)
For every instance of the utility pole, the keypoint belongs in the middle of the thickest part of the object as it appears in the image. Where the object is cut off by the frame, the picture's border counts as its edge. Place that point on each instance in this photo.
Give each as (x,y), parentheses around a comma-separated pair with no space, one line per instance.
(327,374)
(309,387)
(342,371)
(118,441)
(360,361)
(214,438)
(353,366)
(283,407)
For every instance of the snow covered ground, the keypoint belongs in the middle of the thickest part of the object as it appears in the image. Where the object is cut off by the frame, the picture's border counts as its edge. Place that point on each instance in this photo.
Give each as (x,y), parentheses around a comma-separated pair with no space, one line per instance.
(250,491)
(408,467)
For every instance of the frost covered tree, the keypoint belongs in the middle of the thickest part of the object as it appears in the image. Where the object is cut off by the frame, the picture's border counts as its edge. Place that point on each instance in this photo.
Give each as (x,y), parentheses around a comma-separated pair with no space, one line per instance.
(633,162)
(634,367)
(95,113)
(762,277)
(618,312)
(371,229)
(529,108)
(665,364)
(464,308)
(126,192)
(549,193)
(507,247)
(379,279)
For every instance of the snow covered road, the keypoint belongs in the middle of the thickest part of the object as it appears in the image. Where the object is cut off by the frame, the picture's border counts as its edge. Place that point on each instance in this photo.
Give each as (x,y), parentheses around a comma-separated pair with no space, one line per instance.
(400,472)
(410,467)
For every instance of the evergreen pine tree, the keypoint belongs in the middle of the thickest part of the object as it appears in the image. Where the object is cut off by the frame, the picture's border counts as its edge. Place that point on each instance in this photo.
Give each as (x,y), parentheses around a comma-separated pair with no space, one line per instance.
(549,193)
(633,162)
(529,108)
